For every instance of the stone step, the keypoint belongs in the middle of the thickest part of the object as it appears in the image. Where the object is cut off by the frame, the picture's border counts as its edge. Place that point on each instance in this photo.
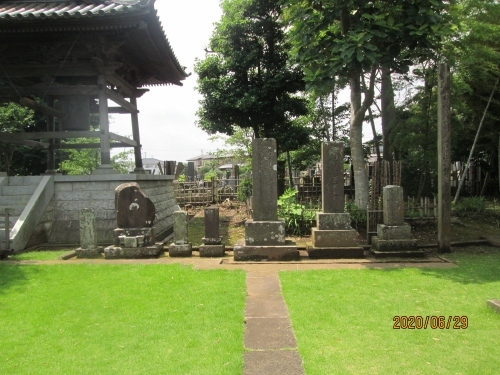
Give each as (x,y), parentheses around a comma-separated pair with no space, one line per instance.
(14,200)
(18,190)
(24,180)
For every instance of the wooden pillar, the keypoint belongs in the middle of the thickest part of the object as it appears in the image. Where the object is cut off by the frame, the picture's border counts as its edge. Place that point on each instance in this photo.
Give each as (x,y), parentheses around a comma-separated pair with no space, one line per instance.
(444,159)
(105,166)
(51,155)
(136,137)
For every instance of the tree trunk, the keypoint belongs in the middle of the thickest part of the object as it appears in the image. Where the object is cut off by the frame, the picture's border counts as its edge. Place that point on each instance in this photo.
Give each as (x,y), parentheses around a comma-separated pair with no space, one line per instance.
(388,113)
(358,111)
(498,162)
(372,123)
(290,178)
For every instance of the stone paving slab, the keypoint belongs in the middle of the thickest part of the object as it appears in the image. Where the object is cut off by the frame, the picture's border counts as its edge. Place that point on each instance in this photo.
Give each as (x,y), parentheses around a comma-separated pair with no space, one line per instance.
(286,362)
(495,304)
(269,333)
(259,306)
(261,285)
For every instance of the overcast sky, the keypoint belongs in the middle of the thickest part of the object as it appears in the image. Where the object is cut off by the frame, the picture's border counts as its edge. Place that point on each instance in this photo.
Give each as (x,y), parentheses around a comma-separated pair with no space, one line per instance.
(168,113)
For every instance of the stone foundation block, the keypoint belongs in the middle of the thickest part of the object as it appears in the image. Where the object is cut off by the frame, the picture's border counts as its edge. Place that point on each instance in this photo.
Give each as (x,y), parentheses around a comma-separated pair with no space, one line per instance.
(333,221)
(335,252)
(265,233)
(180,250)
(334,238)
(394,232)
(207,251)
(89,253)
(116,252)
(393,245)
(288,251)
(398,254)
(148,236)
(211,241)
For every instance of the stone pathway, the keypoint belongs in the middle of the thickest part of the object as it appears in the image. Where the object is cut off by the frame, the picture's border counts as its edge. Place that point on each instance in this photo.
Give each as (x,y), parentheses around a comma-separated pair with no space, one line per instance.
(269,341)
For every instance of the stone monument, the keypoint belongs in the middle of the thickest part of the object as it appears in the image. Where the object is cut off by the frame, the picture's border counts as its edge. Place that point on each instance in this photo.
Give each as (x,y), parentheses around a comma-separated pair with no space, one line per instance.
(333,236)
(212,242)
(135,214)
(394,236)
(88,235)
(181,247)
(265,233)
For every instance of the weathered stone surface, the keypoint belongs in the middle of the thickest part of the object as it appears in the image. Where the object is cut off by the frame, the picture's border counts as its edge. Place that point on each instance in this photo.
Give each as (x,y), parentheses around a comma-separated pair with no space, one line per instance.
(393,245)
(134,209)
(212,222)
(264,233)
(190,170)
(211,241)
(178,170)
(148,235)
(113,252)
(212,251)
(393,205)
(495,304)
(244,252)
(265,180)
(180,227)
(335,252)
(89,253)
(332,177)
(334,238)
(88,235)
(180,250)
(398,254)
(394,232)
(333,221)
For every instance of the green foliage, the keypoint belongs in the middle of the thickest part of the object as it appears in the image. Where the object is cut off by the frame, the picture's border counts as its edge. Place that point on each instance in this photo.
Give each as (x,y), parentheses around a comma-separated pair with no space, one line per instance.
(245,189)
(182,178)
(246,79)
(470,206)
(358,216)
(298,220)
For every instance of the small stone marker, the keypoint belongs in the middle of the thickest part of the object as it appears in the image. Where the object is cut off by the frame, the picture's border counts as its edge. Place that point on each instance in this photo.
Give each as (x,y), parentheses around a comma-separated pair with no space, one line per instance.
(333,236)
(494,304)
(134,209)
(265,233)
(181,247)
(178,170)
(212,242)
(88,235)
(394,236)
(190,170)
(135,213)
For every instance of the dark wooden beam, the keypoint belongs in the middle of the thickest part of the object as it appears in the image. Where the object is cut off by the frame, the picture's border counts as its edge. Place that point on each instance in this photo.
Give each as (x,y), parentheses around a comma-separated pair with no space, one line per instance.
(79,146)
(125,140)
(46,110)
(25,142)
(67,70)
(90,90)
(54,135)
(120,100)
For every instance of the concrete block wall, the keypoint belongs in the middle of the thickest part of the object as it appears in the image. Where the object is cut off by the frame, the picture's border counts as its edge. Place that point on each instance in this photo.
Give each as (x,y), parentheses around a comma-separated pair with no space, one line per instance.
(73,193)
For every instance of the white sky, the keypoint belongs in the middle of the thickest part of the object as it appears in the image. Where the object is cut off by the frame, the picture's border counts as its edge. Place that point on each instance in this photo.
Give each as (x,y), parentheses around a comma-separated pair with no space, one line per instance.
(168,113)
(167,118)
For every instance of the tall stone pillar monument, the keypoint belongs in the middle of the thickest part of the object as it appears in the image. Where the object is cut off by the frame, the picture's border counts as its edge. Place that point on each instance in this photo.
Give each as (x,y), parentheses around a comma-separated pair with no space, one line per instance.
(333,236)
(265,233)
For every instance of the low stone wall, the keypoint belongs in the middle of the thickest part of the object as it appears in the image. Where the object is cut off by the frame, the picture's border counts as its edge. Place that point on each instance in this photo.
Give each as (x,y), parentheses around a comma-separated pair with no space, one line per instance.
(73,193)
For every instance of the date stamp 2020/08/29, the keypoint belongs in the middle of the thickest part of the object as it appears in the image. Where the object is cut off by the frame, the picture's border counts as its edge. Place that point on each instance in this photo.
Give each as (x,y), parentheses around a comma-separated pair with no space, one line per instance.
(430,321)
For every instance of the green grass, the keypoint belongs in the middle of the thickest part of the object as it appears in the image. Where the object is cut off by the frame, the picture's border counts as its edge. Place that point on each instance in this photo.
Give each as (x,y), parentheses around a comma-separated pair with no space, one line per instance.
(120,319)
(38,255)
(343,319)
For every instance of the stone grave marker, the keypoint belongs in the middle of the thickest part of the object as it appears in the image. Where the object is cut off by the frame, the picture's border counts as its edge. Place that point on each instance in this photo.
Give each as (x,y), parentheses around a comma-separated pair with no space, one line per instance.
(190,171)
(88,235)
(333,236)
(265,233)
(178,170)
(393,238)
(212,242)
(135,214)
(181,247)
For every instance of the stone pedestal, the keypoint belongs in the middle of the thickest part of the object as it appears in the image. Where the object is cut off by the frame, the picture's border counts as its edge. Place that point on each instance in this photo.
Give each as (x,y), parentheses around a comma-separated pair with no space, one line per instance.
(265,233)
(393,238)
(133,243)
(180,250)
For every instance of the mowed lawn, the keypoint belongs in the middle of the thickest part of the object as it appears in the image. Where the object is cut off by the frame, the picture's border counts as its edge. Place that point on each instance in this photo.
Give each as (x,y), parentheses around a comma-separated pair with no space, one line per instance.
(343,319)
(120,319)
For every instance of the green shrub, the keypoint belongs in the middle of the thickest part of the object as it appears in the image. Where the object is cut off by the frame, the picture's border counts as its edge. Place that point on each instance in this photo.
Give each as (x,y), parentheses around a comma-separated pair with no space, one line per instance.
(245,190)
(358,216)
(470,206)
(298,220)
